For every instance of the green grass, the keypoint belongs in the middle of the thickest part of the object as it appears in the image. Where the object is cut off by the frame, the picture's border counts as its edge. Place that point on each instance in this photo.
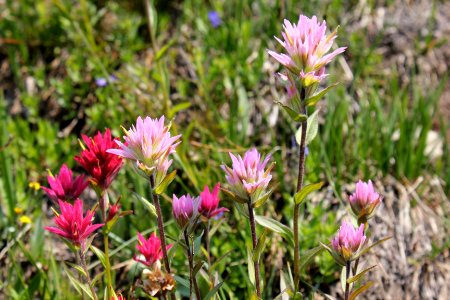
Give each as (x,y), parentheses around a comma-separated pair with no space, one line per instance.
(213,83)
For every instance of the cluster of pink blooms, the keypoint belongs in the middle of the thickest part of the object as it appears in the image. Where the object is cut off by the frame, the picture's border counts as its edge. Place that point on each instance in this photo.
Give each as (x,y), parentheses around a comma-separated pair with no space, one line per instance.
(72,225)
(150,249)
(349,240)
(307,45)
(102,168)
(186,208)
(148,143)
(248,177)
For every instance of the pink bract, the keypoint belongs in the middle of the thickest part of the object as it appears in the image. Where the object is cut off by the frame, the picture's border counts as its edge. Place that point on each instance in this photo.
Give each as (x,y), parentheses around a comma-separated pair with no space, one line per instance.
(307,46)
(348,240)
(248,177)
(64,186)
(149,143)
(72,225)
(184,208)
(150,249)
(364,200)
(209,202)
(98,163)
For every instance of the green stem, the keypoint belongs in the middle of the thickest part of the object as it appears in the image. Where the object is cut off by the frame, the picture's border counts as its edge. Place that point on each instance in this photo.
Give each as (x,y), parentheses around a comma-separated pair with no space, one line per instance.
(88,277)
(207,242)
(104,203)
(162,235)
(301,172)
(254,240)
(347,285)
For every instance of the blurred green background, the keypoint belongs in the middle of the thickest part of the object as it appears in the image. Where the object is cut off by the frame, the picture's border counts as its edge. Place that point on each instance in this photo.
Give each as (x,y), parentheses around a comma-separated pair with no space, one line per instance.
(389,117)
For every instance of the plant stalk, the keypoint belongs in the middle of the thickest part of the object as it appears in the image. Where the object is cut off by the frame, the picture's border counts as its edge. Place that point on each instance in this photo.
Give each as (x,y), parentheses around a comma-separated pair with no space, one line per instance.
(301,173)
(211,282)
(162,235)
(192,279)
(347,285)
(85,269)
(104,201)
(254,240)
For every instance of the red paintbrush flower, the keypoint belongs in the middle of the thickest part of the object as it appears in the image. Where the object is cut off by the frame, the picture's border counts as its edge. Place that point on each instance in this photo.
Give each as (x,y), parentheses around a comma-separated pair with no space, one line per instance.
(150,249)
(72,225)
(101,165)
(64,186)
(209,202)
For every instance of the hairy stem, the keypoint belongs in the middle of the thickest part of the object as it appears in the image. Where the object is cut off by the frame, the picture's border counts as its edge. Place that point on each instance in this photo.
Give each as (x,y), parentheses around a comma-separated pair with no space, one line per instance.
(301,172)
(192,279)
(347,285)
(211,282)
(85,269)
(255,263)
(162,235)
(103,205)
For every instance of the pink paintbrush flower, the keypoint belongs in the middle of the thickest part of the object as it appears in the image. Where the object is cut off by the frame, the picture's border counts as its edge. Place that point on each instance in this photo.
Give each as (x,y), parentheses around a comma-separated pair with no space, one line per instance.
(149,143)
(348,241)
(307,46)
(248,177)
(209,202)
(99,164)
(150,249)
(364,200)
(184,209)
(72,225)
(64,186)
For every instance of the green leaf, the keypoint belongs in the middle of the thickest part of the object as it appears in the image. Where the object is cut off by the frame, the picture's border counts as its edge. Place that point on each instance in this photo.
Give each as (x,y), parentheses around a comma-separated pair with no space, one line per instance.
(159,55)
(150,207)
(100,254)
(277,227)
(309,255)
(336,257)
(234,196)
(305,191)
(360,275)
(360,290)
(262,199)
(317,96)
(80,287)
(250,267)
(212,292)
(166,181)
(78,268)
(181,281)
(197,267)
(216,263)
(177,108)
(295,116)
(311,130)
(260,245)
(365,250)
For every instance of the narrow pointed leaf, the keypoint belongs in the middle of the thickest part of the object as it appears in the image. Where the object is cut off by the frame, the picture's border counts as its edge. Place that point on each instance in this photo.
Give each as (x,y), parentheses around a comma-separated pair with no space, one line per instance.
(214,290)
(306,190)
(149,206)
(319,95)
(295,116)
(166,181)
(309,255)
(262,200)
(277,227)
(360,290)
(80,287)
(311,130)
(261,244)
(78,268)
(100,254)
(365,250)
(216,263)
(360,275)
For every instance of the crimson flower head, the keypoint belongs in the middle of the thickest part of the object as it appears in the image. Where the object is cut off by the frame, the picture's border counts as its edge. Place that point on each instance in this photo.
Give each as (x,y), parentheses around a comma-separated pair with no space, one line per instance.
(209,203)
(64,186)
(150,249)
(72,225)
(100,165)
